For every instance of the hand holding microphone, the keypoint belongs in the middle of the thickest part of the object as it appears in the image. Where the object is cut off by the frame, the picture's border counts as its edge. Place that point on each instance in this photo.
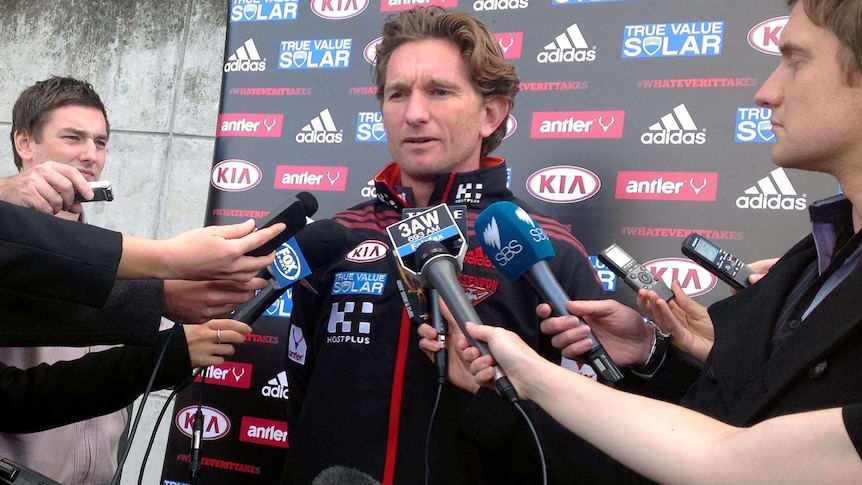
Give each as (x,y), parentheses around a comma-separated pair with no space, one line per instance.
(430,247)
(518,247)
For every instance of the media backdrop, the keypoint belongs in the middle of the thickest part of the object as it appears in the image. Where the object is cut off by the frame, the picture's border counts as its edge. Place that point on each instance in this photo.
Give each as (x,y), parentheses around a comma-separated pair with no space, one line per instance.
(635,124)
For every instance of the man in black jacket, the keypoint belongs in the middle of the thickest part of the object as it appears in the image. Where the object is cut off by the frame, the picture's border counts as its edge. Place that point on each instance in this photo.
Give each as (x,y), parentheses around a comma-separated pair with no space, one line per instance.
(361,391)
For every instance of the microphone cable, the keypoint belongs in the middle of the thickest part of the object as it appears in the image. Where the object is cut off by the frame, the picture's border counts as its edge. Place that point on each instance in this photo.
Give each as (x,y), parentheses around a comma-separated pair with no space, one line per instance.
(441,359)
(116,479)
(535,436)
(162,412)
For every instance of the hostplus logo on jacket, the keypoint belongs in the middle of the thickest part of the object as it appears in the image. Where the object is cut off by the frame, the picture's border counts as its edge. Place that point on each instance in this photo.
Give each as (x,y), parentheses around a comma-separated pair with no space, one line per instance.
(350,323)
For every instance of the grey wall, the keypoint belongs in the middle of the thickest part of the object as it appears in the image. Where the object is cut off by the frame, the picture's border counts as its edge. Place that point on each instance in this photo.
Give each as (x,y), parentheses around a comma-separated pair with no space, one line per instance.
(157,66)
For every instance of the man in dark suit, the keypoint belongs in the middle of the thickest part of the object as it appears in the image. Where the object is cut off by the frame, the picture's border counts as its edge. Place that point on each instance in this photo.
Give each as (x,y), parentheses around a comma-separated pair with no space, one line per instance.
(792,342)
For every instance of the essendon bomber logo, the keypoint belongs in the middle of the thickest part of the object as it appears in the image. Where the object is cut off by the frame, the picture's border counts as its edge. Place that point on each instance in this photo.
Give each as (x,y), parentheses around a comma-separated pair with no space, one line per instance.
(235,175)
(563,184)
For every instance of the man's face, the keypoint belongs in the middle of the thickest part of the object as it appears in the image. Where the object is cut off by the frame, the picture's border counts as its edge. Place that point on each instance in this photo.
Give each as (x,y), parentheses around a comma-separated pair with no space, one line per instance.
(434,117)
(816,115)
(72,135)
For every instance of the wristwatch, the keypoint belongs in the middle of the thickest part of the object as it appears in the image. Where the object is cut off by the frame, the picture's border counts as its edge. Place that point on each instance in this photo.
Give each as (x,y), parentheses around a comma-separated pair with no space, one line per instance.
(656,354)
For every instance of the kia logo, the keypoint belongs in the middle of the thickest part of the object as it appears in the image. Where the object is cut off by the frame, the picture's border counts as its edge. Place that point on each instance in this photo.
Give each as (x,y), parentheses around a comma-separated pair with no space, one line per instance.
(764,36)
(215,425)
(511,126)
(692,277)
(370,51)
(235,175)
(367,251)
(338,9)
(563,184)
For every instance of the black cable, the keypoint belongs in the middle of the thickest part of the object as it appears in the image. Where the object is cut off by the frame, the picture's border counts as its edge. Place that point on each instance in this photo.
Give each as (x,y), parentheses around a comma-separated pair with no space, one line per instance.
(428,436)
(536,439)
(155,431)
(125,455)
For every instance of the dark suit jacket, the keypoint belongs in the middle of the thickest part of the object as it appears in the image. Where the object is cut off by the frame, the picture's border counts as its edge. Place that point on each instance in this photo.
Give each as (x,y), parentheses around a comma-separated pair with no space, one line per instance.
(44,256)
(818,367)
(48,396)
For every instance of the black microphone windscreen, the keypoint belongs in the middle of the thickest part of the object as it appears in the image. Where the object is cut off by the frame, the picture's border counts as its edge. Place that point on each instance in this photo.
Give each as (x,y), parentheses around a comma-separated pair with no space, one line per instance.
(342,475)
(321,242)
(309,203)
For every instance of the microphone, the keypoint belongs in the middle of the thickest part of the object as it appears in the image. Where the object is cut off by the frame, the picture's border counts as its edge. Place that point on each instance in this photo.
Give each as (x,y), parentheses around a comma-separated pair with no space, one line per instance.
(430,247)
(519,247)
(293,213)
(439,270)
(195,453)
(323,241)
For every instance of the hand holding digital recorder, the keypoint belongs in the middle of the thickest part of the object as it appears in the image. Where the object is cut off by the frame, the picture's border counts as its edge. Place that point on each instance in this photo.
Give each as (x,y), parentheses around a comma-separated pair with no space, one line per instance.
(632,272)
(725,266)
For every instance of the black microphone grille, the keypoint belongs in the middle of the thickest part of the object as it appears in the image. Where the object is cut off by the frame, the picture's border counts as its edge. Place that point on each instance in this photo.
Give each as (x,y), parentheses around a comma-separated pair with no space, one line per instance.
(322,241)
(309,203)
(342,475)
(428,250)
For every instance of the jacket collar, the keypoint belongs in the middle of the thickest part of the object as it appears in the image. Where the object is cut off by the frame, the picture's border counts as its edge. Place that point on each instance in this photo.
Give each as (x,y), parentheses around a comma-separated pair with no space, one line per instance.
(477,188)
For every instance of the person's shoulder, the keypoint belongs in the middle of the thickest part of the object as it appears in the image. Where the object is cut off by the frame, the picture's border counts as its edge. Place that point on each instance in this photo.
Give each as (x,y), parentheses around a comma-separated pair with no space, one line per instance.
(367,216)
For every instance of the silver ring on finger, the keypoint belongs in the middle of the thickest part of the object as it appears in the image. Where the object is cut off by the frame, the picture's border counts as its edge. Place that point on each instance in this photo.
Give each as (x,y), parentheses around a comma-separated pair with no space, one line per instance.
(218,335)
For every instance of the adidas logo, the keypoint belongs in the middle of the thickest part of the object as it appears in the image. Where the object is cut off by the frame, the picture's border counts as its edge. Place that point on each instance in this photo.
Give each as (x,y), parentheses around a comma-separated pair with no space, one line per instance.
(369,191)
(480,5)
(772,192)
(245,59)
(674,128)
(570,46)
(321,129)
(276,387)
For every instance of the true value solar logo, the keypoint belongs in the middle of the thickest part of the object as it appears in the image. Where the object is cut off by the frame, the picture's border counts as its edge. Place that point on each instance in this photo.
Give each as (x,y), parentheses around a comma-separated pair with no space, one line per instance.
(680,39)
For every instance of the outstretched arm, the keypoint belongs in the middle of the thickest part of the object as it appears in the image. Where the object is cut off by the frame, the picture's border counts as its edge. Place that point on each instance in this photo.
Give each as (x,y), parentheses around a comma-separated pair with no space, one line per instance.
(669,443)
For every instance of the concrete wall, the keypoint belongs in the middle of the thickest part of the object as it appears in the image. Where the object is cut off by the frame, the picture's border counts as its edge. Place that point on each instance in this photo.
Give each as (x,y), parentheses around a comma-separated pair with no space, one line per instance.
(157,66)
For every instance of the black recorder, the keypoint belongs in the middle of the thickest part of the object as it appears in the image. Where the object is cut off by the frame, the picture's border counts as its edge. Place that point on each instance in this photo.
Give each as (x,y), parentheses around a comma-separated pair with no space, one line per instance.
(725,266)
(632,272)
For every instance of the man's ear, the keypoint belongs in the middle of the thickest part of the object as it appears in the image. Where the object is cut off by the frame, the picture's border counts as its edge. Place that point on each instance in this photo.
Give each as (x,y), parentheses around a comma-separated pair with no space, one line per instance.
(496,108)
(23,144)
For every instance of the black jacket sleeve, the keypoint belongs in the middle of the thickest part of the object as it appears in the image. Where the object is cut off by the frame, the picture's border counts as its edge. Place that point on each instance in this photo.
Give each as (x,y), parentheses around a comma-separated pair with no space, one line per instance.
(131,315)
(48,257)
(47,396)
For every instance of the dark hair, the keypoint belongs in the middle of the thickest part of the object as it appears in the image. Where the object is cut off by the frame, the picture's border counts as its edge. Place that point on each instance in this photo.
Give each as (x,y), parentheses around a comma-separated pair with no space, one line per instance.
(844,19)
(35,104)
(491,74)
